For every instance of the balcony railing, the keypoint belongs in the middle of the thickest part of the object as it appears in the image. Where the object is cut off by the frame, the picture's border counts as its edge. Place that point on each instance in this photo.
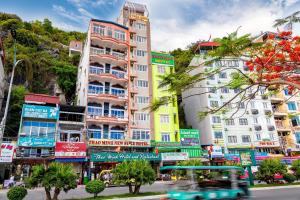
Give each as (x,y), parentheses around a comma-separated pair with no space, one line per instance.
(118,74)
(111,35)
(98,51)
(98,70)
(113,91)
(95,116)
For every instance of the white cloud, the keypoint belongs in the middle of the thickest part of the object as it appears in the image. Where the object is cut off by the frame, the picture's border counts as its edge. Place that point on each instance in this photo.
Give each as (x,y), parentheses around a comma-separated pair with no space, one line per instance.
(86,13)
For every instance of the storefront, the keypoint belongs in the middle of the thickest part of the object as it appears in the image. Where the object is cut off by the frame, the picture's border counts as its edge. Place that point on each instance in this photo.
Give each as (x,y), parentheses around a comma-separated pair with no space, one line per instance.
(6,157)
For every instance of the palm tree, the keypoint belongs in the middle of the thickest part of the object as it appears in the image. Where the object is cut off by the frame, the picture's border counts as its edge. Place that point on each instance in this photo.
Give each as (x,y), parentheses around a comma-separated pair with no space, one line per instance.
(289,20)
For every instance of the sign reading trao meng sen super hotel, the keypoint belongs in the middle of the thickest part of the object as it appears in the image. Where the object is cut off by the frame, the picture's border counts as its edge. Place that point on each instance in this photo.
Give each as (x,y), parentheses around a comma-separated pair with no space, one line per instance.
(124,143)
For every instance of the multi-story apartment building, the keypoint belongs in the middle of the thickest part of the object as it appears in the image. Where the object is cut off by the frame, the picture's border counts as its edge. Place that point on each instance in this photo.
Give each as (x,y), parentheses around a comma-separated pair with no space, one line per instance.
(253,126)
(135,17)
(166,125)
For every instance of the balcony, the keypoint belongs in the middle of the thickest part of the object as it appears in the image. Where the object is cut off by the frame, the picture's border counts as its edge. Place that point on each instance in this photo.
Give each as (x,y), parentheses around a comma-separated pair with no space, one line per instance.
(115,76)
(281,126)
(254,111)
(114,95)
(279,112)
(107,119)
(257,127)
(271,128)
(276,99)
(109,41)
(268,112)
(112,57)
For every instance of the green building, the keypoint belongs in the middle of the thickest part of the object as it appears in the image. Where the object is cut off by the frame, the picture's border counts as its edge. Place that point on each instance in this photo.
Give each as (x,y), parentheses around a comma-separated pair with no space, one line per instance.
(165,119)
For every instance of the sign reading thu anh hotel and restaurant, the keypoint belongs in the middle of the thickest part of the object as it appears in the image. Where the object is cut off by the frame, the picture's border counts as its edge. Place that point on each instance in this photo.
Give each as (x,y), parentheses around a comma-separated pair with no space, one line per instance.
(189,137)
(161,58)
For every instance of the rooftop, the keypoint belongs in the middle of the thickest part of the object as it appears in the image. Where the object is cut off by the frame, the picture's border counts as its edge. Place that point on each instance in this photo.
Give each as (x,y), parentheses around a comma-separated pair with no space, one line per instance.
(136,7)
(41,98)
(109,22)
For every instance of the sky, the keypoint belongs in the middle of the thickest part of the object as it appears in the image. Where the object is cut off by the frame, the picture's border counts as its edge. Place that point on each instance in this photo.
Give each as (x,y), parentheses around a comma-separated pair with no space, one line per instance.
(174,23)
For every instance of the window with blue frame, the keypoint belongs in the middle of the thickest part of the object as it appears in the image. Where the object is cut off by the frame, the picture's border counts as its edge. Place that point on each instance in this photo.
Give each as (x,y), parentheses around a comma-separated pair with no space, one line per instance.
(118,92)
(118,74)
(94,111)
(94,133)
(218,135)
(297,135)
(117,113)
(286,92)
(295,121)
(38,129)
(292,105)
(95,89)
(96,70)
(117,135)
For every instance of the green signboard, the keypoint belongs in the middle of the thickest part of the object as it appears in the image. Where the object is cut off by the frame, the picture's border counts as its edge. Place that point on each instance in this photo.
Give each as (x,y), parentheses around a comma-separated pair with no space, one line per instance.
(189,137)
(161,58)
(247,158)
(118,157)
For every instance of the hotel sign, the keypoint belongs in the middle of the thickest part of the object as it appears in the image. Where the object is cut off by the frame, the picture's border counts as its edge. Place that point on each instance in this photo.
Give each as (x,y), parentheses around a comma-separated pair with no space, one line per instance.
(161,58)
(117,157)
(267,143)
(7,152)
(124,143)
(70,150)
(189,137)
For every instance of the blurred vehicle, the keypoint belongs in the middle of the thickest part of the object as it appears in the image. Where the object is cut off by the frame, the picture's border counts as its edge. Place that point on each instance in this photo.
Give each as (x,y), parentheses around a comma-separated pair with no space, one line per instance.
(107,177)
(208,182)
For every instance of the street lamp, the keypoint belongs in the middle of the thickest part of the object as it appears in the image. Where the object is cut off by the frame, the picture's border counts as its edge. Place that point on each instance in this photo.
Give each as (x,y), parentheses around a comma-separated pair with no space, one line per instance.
(15,63)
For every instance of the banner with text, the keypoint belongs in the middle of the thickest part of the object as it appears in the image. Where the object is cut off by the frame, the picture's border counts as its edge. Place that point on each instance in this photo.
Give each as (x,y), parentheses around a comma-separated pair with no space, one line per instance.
(118,157)
(70,150)
(174,156)
(45,112)
(124,143)
(7,152)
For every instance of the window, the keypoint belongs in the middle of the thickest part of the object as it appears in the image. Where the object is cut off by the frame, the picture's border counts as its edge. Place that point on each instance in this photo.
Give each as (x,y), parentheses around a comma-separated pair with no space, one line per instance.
(297,136)
(99,29)
(291,105)
(141,39)
(140,26)
(222,75)
(141,134)
(141,53)
(243,121)
(120,35)
(142,83)
(211,77)
(286,92)
(142,100)
(258,136)
(95,89)
(141,68)
(38,129)
(252,104)
(271,135)
(224,90)
(164,119)
(216,119)
(95,110)
(212,90)
(116,134)
(118,92)
(268,120)
(246,138)
(232,139)
(295,121)
(255,120)
(118,113)
(96,70)
(242,105)
(229,122)
(265,104)
(142,116)
(214,104)
(165,137)
(218,135)
(237,90)
(161,69)
(94,133)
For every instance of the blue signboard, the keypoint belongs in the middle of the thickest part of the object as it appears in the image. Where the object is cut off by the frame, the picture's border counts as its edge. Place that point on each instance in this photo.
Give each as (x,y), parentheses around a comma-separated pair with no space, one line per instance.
(45,112)
(36,142)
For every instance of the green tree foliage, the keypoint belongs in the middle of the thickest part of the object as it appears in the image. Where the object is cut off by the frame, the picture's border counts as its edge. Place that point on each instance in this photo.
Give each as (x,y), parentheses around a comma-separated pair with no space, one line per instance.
(16,193)
(15,110)
(134,174)
(95,187)
(289,178)
(59,176)
(296,168)
(269,168)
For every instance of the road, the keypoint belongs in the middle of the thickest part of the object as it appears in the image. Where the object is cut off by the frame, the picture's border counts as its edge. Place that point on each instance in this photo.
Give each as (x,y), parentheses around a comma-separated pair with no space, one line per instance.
(259,194)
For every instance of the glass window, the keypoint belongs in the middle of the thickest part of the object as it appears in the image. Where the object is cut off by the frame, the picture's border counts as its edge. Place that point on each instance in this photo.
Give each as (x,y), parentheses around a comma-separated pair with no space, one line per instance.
(141,53)
(268,120)
(142,100)
(295,121)
(94,133)
(142,116)
(212,90)
(218,135)
(117,113)
(222,75)
(164,119)
(120,35)
(246,138)
(216,119)
(118,92)
(229,122)
(243,121)
(141,68)
(214,104)
(117,135)
(141,39)
(297,136)
(95,89)
(265,104)
(271,135)
(211,77)
(242,105)
(292,105)
(255,120)
(224,90)
(252,104)
(161,69)
(96,70)
(165,137)
(142,83)
(99,29)
(140,26)
(237,90)
(94,110)
(286,91)
(140,134)
(35,131)
(232,139)
(258,136)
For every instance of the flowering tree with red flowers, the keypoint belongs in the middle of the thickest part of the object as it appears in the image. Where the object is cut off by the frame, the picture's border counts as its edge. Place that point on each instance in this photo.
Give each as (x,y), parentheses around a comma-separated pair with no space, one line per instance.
(276,62)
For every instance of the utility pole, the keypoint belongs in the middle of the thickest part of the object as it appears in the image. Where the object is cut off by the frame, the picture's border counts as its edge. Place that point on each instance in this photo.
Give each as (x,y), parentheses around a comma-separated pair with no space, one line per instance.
(15,63)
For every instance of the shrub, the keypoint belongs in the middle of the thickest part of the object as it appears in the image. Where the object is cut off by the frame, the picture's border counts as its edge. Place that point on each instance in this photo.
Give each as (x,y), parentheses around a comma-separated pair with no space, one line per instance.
(269,168)
(296,168)
(290,178)
(95,187)
(17,193)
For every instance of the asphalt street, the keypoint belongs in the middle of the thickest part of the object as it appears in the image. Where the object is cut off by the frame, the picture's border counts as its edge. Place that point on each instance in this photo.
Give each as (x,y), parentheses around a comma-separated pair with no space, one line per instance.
(260,194)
